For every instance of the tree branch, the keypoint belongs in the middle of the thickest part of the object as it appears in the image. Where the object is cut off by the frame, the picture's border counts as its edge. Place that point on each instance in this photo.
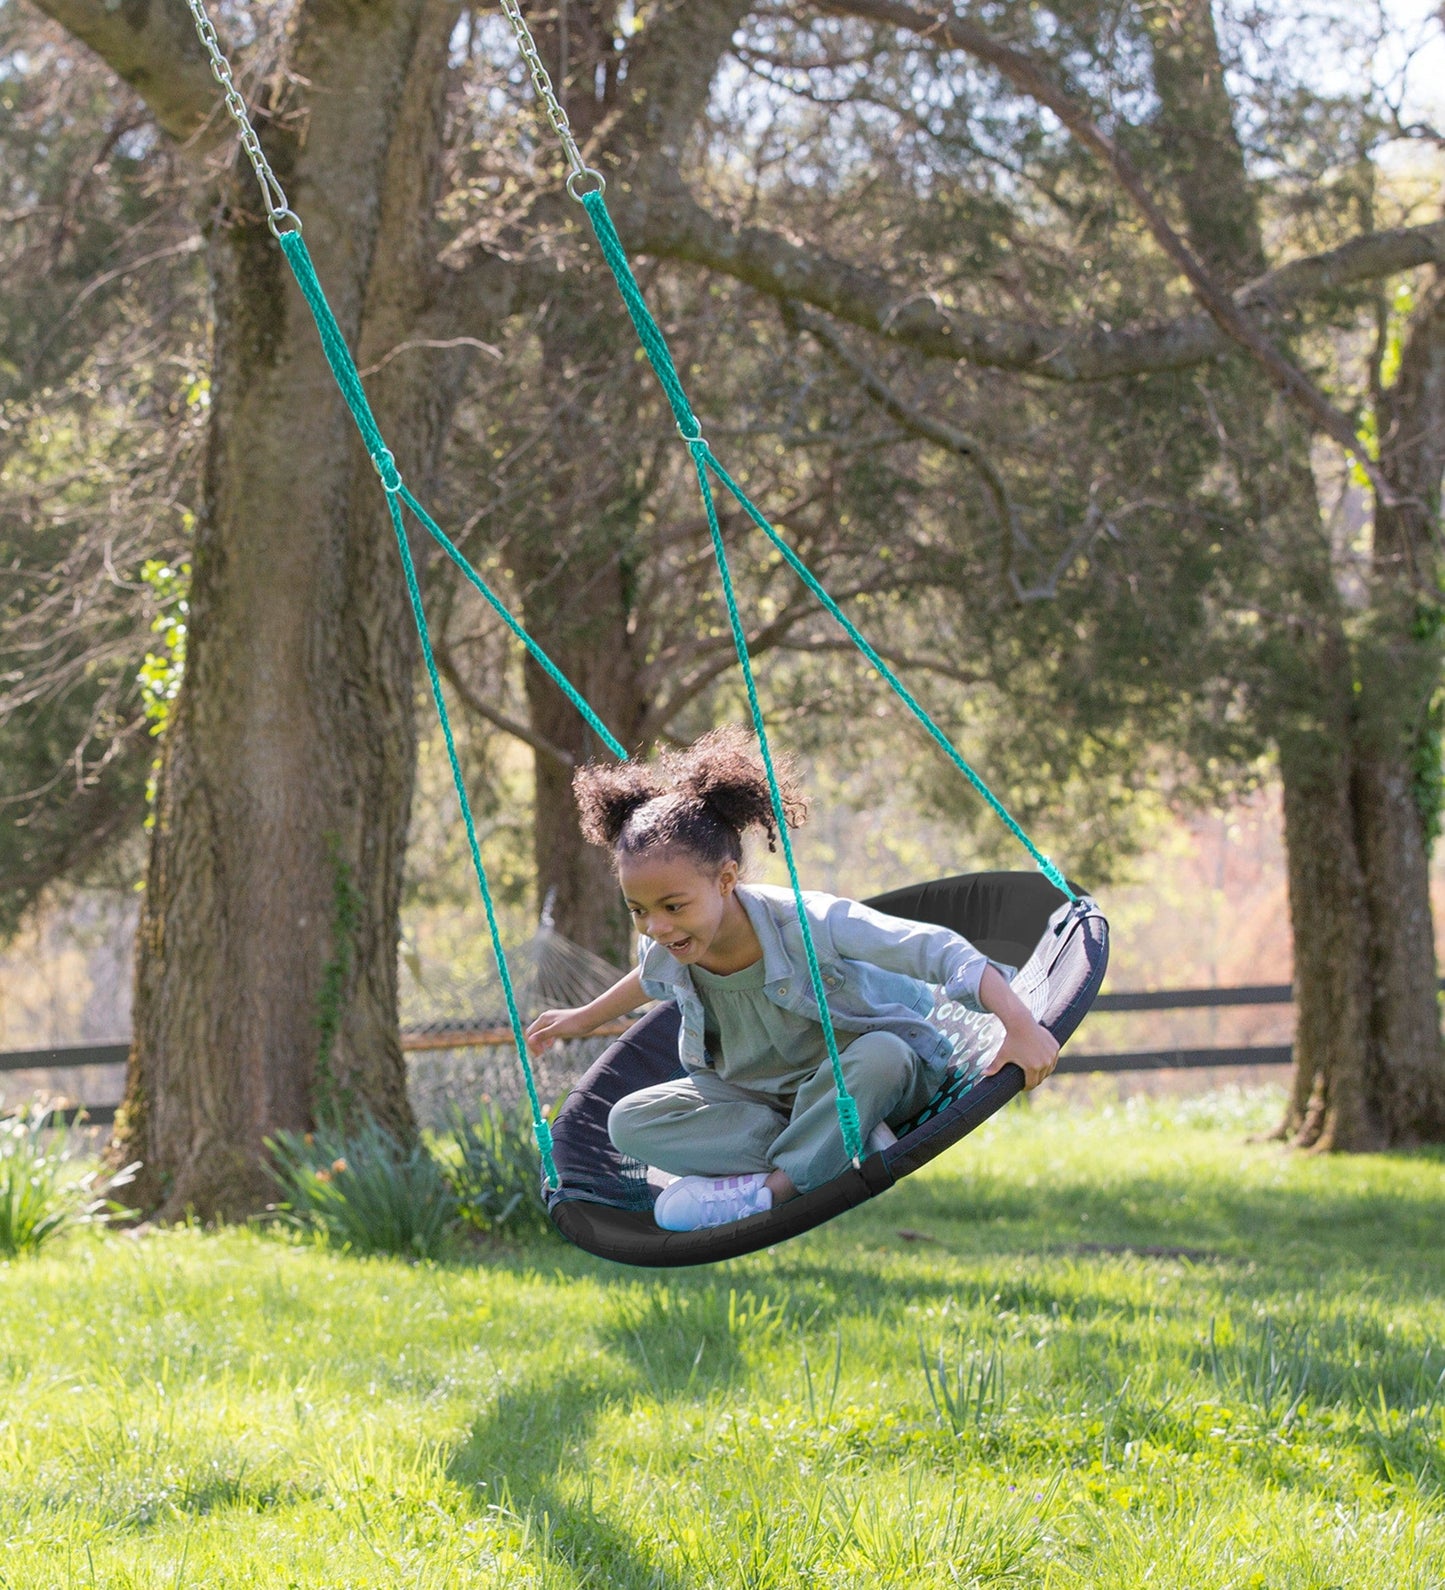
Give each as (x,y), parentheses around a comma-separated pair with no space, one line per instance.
(965,446)
(671,64)
(671,224)
(446,665)
(152,46)
(922,425)
(895,659)
(726,656)
(1033,78)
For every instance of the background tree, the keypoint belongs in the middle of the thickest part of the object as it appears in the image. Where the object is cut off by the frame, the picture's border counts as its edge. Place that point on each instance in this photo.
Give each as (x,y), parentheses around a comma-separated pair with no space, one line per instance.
(1371,1068)
(987,292)
(102,398)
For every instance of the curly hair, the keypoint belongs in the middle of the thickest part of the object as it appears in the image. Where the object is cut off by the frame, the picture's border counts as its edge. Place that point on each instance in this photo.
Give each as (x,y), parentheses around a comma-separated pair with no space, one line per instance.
(700,800)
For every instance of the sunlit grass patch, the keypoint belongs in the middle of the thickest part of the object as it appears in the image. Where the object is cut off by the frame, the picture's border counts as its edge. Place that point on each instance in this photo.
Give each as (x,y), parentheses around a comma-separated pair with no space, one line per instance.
(1091,1349)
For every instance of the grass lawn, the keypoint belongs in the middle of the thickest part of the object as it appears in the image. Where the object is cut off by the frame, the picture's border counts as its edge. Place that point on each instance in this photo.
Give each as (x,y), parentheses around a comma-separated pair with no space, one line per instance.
(1157,1354)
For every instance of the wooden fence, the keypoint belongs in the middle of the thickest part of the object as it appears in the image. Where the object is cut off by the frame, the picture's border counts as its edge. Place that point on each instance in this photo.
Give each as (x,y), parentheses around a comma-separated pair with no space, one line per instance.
(464,1035)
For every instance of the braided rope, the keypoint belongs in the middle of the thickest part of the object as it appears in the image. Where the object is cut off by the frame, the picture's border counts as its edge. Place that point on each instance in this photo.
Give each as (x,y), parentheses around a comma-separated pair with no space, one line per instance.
(806,575)
(343,367)
(348,380)
(660,357)
(847,1108)
(540,1127)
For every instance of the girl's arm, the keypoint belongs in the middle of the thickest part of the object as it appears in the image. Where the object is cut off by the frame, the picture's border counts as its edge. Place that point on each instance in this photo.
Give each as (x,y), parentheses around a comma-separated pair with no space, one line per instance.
(1026,1043)
(917,949)
(554,1026)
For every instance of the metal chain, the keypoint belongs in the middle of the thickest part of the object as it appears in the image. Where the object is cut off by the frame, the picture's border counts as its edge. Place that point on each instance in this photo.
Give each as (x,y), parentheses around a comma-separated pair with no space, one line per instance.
(542,82)
(273,195)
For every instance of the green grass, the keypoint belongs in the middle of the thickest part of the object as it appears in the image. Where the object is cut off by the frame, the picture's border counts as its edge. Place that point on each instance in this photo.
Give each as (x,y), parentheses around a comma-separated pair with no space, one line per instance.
(999,1404)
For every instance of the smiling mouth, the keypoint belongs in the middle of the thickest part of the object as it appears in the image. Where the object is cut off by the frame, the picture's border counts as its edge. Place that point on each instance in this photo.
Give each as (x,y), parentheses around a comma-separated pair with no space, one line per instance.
(680,945)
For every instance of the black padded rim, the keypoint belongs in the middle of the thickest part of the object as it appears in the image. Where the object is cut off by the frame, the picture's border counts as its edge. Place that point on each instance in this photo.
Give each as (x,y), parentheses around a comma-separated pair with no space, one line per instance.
(632,1236)
(1000,906)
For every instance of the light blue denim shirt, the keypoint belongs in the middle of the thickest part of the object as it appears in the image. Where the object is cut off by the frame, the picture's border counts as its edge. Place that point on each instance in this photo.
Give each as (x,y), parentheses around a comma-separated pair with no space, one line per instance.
(879,971)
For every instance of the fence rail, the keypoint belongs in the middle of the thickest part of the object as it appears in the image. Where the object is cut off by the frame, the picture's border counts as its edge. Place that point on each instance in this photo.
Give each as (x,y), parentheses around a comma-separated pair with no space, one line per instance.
(470,1035)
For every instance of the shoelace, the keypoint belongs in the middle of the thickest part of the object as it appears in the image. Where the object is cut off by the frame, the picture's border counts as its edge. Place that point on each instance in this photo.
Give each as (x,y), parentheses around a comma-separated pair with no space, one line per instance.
(728,1188)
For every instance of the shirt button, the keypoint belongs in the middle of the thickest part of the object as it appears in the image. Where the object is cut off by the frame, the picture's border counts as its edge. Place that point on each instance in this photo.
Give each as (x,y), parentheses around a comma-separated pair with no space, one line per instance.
(783,989)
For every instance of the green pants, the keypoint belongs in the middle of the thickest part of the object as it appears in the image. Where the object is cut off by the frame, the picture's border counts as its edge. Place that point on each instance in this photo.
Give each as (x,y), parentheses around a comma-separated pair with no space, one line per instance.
(701,1125)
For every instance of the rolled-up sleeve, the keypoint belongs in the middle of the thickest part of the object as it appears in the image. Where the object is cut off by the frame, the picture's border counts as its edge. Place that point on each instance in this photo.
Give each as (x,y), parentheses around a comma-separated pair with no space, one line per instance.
(917,949)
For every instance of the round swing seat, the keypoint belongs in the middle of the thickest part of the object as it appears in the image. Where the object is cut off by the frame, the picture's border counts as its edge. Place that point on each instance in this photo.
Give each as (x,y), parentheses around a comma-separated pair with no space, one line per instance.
(604,1200)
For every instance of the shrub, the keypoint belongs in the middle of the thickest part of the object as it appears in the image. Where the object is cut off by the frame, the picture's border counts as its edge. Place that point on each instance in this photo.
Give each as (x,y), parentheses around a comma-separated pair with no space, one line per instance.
(495,1171)
(43,1190)
(364,1191)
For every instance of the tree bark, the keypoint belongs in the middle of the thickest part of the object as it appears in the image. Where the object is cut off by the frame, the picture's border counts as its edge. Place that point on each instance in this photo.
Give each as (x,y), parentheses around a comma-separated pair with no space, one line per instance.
(577,555)
(1396,741)
(266,957)
(1305,677)
(1329,1102)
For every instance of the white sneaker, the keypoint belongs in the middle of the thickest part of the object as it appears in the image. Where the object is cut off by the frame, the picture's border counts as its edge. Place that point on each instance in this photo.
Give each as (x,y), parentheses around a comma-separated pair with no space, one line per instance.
(695,1201)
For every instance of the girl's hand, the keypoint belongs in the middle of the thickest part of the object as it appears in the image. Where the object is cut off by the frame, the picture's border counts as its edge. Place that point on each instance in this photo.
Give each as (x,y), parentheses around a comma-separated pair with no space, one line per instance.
(1032,1048)
(556,1026)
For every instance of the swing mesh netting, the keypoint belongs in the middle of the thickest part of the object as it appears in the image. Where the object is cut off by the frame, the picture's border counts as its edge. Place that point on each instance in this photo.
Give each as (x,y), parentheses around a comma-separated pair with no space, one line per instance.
(454,1024)
(455,1029)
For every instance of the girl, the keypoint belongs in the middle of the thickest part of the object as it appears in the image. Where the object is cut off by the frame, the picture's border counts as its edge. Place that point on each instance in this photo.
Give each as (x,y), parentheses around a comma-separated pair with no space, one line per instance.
(752,1122)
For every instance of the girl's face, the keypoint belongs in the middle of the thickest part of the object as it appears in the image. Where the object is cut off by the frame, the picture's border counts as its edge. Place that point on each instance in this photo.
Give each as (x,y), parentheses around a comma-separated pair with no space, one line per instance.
(680,903)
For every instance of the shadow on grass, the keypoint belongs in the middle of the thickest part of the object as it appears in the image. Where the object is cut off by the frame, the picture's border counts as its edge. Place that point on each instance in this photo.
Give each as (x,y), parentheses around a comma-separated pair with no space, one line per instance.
(684,1333)
(517,1454)
(939,1237)
(1285,1226)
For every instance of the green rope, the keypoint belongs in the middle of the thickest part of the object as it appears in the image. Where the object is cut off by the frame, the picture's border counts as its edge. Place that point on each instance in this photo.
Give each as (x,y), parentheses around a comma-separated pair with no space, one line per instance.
(343,367)
(847,1108)
(660,357)
(649,333)
(804,573)
(540,1127)
(553,672)
(690,428)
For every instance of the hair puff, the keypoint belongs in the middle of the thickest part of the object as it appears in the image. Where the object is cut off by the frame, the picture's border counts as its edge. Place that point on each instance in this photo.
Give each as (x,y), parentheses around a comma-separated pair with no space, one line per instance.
(701,799)
(607,795)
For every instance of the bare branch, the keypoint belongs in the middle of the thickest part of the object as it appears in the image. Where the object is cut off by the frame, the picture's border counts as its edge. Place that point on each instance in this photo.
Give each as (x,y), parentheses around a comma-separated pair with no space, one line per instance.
(446,664)
(1032,77)
(895,659)
(761,640)
(489,348)
(1363,259)
(673,225)
(1094,524)
(929,429)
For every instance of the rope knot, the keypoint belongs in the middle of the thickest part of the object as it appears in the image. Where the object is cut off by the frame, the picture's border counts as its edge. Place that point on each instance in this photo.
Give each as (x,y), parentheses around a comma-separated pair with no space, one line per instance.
(385,466)
(849,1123)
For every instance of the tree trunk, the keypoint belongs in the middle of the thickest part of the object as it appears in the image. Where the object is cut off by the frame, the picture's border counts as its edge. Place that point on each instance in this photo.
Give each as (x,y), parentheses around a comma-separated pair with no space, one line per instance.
(266,956)
(1348,731)
(1405,1070)
(1397,747)
(1328,1095)
(575,562)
